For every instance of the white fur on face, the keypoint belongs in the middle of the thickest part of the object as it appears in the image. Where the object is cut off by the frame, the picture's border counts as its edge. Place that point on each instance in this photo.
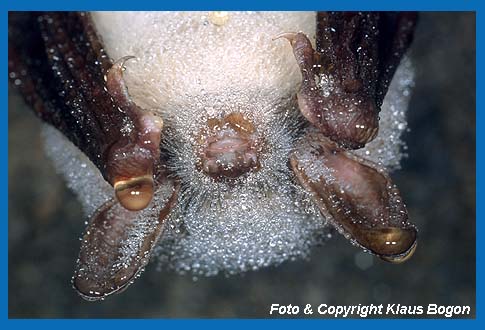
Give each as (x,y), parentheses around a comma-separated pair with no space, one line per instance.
(189,69)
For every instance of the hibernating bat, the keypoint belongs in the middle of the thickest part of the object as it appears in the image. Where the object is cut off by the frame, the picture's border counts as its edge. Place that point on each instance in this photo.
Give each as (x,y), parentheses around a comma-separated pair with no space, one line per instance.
(221,141)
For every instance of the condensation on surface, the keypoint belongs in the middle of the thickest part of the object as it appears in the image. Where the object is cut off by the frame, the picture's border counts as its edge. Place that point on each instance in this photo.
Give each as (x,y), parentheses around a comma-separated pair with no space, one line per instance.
(182,54)
(81,175)
(189,69)
(387,148)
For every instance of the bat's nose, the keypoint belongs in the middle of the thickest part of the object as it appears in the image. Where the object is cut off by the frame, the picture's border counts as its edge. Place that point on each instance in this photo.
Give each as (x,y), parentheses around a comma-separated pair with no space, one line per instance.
(229,147)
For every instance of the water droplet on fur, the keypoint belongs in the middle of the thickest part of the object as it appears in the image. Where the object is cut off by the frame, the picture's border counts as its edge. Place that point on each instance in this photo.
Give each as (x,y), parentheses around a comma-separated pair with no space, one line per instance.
(135,194)
(218,18)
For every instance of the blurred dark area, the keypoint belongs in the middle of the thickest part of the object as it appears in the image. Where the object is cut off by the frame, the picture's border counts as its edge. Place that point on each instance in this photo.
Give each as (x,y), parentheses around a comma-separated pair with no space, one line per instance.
(437,181)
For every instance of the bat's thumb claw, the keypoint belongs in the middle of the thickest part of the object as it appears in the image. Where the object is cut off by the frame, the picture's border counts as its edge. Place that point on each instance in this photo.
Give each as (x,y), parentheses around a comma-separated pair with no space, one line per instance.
(290,36)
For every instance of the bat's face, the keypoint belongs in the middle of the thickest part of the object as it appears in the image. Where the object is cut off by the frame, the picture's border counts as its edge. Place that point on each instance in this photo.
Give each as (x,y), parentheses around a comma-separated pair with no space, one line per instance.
(221,146)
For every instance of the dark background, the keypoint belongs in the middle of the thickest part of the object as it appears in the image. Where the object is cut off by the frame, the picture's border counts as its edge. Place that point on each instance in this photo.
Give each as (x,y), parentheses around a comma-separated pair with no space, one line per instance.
(437,181)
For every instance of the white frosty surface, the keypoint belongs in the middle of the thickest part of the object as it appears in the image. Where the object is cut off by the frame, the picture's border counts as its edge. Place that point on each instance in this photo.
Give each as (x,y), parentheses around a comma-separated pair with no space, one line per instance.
(387,147)
(182,54)
(81,175)
(189,69)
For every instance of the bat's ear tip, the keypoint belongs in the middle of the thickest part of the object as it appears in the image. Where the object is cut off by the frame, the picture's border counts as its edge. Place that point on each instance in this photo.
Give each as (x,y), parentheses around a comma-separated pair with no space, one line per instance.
(90,290)
(85,289)
(391,244)
(404,256)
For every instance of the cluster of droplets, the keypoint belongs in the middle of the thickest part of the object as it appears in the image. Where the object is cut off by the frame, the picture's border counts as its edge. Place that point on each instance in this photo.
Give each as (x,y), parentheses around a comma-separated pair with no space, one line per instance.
(95,193)
(190,69)
(181,54)
(80,173)
(325,84)
(117,245)
(260,218)
(145,223)
(313,163)
(388,147)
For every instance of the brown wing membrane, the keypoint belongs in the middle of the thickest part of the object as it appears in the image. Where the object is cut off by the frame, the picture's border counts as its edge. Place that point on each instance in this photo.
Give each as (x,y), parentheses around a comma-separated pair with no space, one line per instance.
(53,64)
(58,63)
(116,247)
(364,48)
(359,197)
(345,80)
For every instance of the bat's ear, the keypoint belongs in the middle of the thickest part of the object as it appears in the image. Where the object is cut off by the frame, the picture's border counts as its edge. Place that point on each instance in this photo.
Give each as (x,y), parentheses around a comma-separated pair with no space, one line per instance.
(357,197)
(117,245)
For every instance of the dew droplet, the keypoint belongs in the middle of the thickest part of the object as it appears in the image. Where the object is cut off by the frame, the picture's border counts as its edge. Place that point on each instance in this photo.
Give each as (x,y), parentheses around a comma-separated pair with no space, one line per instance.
(136,193)
(218,18)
